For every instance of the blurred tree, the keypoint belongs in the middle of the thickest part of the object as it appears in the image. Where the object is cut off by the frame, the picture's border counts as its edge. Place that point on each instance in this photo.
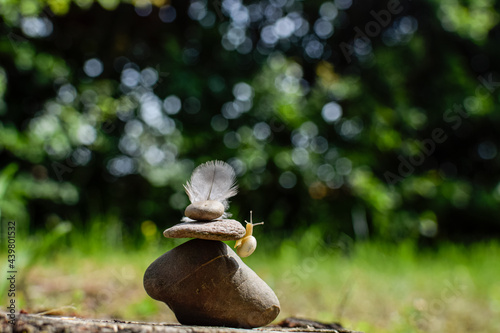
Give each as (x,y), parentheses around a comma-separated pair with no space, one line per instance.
(373,118)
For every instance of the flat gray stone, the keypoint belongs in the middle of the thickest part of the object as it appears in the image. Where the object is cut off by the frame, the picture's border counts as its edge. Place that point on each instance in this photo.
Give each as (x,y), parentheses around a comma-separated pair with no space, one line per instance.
(206,283)
(223,230)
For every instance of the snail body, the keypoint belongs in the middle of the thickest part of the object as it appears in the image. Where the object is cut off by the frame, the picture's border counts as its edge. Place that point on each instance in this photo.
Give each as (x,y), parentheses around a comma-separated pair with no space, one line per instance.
(247,245)
(206,210)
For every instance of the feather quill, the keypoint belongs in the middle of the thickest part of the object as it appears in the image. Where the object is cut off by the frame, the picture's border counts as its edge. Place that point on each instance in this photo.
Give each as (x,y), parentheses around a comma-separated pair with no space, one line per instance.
(214,180)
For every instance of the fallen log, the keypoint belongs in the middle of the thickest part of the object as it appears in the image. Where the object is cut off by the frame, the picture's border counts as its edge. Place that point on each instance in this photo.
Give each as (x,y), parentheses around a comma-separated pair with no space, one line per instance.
(34,323)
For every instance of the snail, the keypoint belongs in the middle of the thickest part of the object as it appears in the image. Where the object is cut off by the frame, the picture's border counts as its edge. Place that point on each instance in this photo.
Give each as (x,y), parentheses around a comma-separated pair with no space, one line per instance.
(246,245)
(210,186)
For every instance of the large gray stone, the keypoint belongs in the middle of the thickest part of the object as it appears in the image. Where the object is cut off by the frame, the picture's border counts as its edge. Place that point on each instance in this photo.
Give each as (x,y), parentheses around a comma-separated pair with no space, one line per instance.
(222,230)
(205,283)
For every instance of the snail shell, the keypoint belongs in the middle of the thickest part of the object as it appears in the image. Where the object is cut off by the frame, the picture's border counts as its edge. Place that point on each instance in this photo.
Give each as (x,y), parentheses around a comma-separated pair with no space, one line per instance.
(204,210)
(247,246)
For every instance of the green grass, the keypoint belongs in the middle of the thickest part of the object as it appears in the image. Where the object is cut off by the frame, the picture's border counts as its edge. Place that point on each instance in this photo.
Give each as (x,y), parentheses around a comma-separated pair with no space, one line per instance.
(367,286)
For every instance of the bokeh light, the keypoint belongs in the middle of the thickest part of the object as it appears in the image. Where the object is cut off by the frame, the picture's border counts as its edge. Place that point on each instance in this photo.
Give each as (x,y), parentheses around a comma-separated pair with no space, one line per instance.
(93,67)
(36,27)
(331,112)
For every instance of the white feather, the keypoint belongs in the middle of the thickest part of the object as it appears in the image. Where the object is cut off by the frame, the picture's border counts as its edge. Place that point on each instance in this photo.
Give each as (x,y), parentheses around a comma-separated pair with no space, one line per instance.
(214,180)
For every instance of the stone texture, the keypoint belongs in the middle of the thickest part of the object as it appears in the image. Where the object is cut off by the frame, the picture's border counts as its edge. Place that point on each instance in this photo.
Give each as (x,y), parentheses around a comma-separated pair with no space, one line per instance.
(222,230)
(205,283)
(204,210)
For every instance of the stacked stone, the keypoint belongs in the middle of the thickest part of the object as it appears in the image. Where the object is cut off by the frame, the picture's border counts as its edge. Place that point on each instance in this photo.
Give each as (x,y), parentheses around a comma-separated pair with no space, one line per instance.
(203,281)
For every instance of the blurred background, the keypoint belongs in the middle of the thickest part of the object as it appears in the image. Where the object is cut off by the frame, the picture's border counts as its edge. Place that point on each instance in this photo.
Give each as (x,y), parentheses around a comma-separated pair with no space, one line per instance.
(364,133)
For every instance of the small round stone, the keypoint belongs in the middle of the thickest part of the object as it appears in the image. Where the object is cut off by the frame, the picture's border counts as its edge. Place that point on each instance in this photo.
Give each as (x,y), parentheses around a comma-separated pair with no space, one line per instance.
(222,230)
(204,210)
(205,283)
